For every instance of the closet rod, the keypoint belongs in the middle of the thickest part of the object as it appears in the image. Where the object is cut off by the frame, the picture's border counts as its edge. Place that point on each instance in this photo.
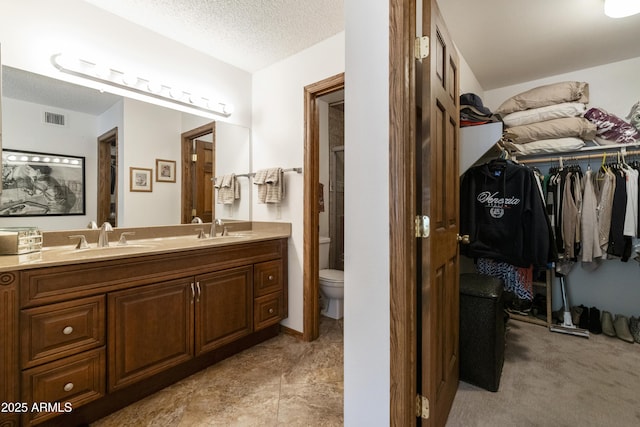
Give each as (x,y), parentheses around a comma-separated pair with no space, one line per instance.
(579,157)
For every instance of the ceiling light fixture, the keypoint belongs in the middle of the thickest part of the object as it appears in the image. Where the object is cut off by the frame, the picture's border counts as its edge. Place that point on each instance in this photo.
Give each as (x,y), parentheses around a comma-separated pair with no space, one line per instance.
(621,8)
(129,82)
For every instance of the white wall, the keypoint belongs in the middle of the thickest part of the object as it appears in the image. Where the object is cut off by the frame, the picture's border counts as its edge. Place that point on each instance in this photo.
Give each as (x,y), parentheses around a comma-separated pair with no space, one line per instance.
(150,132)
(614,87)
(367,320)
(278,140)
(24,130)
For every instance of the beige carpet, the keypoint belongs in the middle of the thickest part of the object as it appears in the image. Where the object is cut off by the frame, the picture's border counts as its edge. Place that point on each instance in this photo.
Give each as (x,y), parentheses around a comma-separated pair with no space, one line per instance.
(556,380)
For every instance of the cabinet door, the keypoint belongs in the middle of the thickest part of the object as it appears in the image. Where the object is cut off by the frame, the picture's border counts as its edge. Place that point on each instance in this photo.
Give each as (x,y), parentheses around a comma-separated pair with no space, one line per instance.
(150,330)
(224,302)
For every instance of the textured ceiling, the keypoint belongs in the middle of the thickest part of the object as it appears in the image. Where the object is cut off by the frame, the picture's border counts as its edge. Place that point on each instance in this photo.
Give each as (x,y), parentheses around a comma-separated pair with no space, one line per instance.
(504,41)
(250,34)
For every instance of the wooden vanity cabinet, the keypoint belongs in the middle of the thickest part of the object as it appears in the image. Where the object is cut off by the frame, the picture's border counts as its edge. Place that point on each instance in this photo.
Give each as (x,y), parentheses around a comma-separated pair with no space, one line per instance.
(150,330)
(99,335)
(156,327)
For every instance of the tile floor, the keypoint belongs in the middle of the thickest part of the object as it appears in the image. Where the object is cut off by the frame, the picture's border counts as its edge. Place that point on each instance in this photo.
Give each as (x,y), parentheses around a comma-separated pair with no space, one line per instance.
(281,382)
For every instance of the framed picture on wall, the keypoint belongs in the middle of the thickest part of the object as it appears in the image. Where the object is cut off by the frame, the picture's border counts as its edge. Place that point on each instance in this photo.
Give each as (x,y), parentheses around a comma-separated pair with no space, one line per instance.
(165,170)
(41,184)
(140,179)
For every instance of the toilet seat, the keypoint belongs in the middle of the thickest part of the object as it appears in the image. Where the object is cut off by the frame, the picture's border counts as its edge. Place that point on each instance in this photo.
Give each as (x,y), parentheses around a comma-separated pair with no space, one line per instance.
(332,277)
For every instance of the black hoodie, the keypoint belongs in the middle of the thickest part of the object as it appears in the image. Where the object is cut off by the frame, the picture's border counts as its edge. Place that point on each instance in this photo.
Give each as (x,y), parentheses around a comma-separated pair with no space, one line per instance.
(502,211)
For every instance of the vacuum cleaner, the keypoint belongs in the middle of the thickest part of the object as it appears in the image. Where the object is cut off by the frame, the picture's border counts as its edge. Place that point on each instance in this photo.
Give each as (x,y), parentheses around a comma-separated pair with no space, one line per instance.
(567,326)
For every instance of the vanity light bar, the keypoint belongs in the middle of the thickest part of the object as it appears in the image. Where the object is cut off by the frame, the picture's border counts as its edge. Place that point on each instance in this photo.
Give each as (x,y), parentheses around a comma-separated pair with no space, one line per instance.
(124,80)
(23,158)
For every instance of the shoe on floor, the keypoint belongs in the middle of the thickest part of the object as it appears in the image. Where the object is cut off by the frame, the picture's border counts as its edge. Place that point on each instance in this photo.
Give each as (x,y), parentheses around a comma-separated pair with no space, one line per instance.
(595,327)
(576,314)
(607,324)
(583,322)
(634,328)
(621,325)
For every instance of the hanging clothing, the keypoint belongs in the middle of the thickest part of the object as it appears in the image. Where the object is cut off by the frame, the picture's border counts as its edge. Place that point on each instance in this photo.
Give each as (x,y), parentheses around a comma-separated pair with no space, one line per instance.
(503,213)
(618,210)
(631,211)
(589,221)
(606,181)
(518,280)
(570,218)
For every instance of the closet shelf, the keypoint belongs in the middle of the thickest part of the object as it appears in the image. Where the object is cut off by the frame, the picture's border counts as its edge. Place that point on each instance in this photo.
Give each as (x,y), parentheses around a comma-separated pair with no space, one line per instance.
(476,142)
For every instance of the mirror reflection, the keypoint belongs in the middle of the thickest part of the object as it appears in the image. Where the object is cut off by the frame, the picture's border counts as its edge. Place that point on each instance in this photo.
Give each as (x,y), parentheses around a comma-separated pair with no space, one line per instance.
(113,134)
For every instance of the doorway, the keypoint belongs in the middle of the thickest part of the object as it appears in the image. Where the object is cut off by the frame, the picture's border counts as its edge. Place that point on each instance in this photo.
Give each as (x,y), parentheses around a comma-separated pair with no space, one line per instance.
(312,95)
(197,188)
(108,178)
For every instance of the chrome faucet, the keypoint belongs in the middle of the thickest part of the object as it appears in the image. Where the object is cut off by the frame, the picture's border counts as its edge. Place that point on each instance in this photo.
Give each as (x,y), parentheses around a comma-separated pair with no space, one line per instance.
(103,239)
(215,223)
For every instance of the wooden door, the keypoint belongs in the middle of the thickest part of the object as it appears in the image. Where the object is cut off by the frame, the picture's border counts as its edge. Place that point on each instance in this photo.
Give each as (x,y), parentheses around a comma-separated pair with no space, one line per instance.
(150,330)
(108,177)
(203,184)
(224,307)
(438,198)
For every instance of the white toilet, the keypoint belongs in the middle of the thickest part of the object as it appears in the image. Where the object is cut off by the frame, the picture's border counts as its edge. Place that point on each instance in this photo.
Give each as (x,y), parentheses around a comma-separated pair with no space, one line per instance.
(331,284)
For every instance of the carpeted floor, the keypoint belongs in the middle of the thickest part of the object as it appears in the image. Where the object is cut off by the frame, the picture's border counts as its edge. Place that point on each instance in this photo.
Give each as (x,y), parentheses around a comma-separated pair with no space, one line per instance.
(556,380)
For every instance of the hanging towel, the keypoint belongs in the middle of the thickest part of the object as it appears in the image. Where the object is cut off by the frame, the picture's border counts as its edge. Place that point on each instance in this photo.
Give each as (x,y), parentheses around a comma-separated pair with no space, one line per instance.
(228,189)
(259,180)
(270,184)
(275,185)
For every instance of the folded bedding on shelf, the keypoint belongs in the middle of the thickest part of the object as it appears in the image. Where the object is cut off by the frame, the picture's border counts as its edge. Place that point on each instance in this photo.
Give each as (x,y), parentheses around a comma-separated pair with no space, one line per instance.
(557,128)
(611,129)
(549,112)
(545,146)
(542,96)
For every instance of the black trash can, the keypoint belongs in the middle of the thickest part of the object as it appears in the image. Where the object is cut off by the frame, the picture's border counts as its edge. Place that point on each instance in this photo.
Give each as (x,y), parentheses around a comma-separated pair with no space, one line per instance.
(482,330)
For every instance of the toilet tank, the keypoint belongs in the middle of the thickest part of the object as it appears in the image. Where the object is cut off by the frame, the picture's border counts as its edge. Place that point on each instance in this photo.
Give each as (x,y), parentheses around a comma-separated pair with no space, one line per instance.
(323,257)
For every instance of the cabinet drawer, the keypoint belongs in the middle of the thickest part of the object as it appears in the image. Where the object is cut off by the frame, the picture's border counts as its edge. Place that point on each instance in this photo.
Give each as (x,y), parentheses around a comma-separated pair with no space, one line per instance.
(73,381)
(59,330)
(267,277)
(268,310)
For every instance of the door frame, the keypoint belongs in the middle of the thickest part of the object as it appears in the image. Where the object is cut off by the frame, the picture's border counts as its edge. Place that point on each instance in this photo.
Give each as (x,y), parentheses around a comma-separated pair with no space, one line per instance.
(105,142)
(310,270)
(186,147)
(402,211)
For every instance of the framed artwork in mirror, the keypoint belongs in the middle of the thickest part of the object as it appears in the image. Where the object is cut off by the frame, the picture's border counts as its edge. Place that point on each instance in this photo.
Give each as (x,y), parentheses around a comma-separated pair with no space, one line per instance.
(140,179)
(41,184)
(165,170)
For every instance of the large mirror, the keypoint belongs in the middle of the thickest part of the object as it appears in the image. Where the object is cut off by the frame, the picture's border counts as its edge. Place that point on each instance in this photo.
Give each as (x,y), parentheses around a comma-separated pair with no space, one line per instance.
(119,137)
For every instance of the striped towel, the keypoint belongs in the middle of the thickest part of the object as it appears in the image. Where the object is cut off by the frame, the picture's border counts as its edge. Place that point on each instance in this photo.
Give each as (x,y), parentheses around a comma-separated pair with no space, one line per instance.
(228,189)
(270,184)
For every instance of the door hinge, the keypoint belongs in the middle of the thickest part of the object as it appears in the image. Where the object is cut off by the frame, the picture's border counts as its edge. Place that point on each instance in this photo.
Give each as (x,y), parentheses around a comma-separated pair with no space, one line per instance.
(422,407)
(421,47)
(422,226)
(194,157)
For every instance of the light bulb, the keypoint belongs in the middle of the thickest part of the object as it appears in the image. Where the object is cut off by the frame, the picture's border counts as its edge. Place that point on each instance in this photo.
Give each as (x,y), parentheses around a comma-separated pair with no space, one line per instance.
(621,8)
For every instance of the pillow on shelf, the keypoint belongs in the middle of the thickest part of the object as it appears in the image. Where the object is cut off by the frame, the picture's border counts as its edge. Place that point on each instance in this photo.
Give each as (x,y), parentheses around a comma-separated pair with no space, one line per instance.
(546,146)
(550,112)
(542,96)
(577,127)
(610,129)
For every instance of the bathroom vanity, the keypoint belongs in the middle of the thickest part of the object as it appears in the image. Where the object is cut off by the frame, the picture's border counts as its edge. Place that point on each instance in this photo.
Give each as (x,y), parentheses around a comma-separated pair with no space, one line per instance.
(86,332)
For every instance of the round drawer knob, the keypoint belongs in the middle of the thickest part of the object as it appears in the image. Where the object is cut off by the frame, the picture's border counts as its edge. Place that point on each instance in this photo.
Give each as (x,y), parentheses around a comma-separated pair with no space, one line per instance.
(271,311)
(68,330)
(270,277)
(68,387)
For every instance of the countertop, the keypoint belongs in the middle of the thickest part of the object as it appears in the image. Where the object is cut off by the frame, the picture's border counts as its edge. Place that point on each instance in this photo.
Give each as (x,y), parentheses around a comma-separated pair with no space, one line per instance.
(169,239)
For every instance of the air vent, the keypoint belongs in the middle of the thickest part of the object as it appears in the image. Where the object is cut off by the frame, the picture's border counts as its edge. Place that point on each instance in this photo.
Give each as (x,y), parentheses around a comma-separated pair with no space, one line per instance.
(55,119)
